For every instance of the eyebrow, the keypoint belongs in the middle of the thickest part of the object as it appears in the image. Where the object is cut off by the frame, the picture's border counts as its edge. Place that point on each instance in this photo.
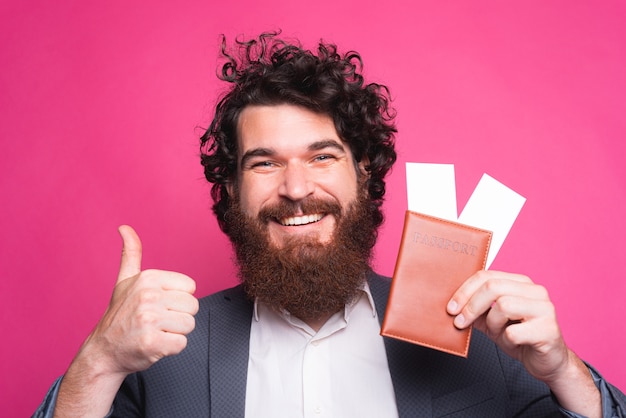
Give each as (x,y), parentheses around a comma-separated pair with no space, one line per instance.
(314,146)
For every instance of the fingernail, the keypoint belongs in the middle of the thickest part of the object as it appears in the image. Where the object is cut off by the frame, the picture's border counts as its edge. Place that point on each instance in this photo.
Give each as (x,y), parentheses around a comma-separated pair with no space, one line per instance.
(452,306)
(459,321)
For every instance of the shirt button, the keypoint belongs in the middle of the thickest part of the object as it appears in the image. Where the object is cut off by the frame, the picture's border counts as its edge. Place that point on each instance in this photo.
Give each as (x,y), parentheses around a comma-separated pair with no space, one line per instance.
(318,410)
(315,343)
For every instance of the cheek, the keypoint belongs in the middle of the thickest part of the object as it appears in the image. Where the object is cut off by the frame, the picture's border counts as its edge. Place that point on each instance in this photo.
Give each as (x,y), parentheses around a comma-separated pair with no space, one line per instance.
(252,196)
(348,189)
(246,204)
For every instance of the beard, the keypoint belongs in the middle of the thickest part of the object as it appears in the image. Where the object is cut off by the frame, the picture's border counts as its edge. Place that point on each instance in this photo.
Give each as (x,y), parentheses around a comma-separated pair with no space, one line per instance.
(307,278)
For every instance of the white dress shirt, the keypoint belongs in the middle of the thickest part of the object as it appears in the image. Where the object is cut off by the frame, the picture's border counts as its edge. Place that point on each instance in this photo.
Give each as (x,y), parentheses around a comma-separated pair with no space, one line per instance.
(340,371)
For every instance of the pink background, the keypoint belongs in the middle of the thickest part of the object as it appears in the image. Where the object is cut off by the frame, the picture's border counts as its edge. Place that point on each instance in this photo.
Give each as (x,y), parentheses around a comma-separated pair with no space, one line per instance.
(100,106)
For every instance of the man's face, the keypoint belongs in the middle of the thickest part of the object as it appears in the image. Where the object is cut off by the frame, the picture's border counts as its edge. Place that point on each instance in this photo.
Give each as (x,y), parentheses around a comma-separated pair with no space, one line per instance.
(301,223)
(288,154)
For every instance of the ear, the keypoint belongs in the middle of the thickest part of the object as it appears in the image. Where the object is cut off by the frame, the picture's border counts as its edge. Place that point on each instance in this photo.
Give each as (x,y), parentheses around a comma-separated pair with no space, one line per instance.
(363,166)
(230,188)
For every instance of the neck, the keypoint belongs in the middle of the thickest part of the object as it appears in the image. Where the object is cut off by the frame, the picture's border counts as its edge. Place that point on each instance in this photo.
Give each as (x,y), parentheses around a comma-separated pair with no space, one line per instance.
(318,323)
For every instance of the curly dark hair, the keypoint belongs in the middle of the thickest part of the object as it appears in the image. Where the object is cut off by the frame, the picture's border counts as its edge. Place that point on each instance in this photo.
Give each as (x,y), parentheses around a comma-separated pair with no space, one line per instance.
(271,71)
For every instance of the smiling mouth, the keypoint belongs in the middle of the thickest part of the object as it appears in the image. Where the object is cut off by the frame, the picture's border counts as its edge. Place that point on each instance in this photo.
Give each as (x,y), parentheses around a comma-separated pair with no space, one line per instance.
(301,220)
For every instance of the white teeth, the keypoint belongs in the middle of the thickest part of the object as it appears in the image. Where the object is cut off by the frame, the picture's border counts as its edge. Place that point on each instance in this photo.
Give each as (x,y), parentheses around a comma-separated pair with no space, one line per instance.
(301,220)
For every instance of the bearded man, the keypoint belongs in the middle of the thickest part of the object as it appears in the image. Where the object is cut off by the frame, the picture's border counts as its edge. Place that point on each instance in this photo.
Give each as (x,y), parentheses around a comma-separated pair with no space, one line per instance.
(297,153)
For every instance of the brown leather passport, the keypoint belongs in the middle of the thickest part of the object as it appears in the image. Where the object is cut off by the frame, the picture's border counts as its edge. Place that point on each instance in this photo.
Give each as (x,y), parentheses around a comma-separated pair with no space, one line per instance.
(436,256)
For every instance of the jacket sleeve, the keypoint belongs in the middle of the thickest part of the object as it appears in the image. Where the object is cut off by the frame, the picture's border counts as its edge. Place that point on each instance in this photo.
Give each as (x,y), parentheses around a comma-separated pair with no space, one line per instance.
(46,408)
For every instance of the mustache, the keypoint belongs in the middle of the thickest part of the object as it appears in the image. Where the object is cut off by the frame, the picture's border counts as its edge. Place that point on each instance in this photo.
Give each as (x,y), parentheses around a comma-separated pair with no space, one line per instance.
(287,208)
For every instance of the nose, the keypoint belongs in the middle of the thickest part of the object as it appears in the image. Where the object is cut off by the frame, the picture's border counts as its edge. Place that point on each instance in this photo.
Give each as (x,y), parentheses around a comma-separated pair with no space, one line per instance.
(296,183)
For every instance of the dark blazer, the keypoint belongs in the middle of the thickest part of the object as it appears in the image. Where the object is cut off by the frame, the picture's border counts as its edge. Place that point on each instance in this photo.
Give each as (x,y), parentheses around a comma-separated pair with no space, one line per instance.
(209,377)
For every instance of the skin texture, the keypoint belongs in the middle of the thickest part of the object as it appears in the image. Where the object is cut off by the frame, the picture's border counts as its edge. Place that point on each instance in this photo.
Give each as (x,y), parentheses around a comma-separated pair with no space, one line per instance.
(286,152)
(519,317)
(148,318)
(288,155)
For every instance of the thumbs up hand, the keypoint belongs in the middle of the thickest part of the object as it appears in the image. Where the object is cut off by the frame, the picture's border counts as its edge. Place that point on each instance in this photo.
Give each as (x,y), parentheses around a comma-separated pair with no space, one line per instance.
(149,315)
(148,318)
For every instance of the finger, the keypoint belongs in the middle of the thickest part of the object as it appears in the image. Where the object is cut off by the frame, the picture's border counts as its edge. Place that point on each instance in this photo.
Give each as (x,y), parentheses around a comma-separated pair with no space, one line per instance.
(540,333)
(174,343)
(167,281)
(489,294)
(474,282)
(179,281)
(161,344)
(180,301)
(509,311)
(130,264)
(495,321)
(506,311)
(178,323)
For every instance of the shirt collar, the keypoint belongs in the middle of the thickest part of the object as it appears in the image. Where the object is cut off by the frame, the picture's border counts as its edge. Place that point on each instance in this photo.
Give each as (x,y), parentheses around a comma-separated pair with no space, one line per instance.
(364,289)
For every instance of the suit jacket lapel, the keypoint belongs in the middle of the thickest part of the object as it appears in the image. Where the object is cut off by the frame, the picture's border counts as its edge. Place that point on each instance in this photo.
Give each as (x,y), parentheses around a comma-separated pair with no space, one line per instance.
(229,336)
(406,361)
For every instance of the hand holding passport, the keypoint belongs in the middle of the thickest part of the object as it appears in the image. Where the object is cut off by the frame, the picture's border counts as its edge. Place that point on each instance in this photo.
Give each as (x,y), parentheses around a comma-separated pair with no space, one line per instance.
(436,256)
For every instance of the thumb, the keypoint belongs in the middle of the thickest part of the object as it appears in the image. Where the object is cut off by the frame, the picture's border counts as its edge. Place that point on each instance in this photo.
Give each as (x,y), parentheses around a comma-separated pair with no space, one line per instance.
(131,253)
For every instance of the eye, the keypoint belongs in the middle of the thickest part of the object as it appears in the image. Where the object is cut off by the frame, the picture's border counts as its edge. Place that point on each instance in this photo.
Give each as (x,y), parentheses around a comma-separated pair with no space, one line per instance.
(263,164)
(324,157)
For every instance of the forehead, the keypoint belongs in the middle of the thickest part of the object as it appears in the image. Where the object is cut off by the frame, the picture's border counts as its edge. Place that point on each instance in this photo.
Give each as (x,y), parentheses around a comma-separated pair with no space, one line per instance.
(283,127)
